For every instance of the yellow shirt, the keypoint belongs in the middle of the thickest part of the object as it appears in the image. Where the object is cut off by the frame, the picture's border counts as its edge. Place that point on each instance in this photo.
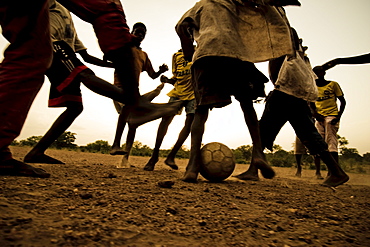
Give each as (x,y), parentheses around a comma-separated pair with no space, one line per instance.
(326,103)
(183,88)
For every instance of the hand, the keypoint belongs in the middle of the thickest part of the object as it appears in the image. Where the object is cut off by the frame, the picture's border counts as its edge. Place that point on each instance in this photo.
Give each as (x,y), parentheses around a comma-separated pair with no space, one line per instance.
(164,79)
(163,68)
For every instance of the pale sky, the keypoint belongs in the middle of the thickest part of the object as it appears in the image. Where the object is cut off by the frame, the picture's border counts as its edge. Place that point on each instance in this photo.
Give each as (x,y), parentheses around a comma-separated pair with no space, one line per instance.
(330,29)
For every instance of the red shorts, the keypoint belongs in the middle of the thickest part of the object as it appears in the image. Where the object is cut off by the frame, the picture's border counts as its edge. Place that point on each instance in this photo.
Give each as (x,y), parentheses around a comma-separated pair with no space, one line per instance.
(63,76)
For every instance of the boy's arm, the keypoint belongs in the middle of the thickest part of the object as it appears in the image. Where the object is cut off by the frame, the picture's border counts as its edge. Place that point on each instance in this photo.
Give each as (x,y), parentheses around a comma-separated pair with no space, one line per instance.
(94,60)
(165,79)
(365,58)
(153,74)
(275,2)
(341,109)
(315,114)
(184,31)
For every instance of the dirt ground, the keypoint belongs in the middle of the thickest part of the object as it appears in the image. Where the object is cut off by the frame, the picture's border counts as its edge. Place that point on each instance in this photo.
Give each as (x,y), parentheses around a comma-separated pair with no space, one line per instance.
(90,202)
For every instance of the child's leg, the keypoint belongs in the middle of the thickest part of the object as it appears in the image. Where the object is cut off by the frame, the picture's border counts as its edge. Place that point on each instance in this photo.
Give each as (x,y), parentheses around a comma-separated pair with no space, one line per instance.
(306,131)
(337,175)
(162,130)
(197,131)
(122,120)
(61,124)
(100,86)
(317,161)
(129,142)
(299,151)
(170,160)
(298,158)
(258,157)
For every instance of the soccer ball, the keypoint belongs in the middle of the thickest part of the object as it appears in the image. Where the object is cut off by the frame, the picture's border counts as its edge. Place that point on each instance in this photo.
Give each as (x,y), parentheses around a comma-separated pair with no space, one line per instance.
(218,162)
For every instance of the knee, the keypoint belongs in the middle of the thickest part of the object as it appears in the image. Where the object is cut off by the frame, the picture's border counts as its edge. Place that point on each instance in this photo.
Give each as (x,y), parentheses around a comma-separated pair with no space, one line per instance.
(75,109)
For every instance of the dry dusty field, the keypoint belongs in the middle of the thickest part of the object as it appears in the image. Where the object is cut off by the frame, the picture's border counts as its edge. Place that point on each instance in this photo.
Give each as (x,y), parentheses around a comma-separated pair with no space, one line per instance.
(90,202)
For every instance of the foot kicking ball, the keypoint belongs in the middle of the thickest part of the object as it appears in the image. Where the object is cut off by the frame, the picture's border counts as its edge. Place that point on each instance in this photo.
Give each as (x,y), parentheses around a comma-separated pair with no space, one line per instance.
(218,161)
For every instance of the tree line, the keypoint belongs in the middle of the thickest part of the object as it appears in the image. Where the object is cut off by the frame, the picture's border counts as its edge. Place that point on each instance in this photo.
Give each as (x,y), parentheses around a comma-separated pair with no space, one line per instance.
(350,159)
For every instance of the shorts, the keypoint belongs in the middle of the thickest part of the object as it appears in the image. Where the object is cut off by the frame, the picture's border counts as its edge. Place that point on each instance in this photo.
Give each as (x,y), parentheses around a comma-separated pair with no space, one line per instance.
(215,79)
(189,105)
(329,132)
(281,108)
(63,76)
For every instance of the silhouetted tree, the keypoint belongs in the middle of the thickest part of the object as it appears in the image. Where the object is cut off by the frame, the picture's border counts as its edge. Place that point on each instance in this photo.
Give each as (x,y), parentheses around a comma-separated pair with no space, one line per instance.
(138,149)
(243,154)
(98,146)
(30,141)
(65,140)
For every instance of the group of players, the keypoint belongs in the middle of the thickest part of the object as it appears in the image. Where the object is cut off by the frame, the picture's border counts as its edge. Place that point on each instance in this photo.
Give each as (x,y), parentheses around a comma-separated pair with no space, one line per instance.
(205,77)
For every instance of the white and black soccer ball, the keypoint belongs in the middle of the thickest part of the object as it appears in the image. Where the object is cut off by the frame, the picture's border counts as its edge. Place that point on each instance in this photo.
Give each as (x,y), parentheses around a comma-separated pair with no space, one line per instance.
(218,161)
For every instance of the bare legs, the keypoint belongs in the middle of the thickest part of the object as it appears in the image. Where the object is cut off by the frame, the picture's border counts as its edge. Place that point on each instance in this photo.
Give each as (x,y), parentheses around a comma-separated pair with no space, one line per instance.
(139,114)
(122,120)
(336,176)
(61,124)
(162,130)
(258,161)
(184,133)
(298,158)
(95,84)
(100,86)
(317,167)
(197,131)
(129,142)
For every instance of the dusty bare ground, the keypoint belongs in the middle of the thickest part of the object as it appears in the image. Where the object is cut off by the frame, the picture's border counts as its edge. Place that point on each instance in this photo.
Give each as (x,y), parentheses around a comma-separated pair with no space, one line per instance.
(89,202)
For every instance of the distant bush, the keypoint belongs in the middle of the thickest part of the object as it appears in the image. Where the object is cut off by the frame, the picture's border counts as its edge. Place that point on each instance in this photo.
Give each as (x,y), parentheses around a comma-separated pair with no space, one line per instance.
(349,159)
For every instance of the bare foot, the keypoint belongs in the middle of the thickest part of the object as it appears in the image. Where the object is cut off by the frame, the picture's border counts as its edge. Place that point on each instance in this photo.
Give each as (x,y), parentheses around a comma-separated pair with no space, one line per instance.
(171,164)
(41,158)
(266,170)
(117,151)
(14,167)
(147,111)
(334,181)
(124,163)
(299,173)
(190,177)
(150,165)
(318,176)
(252,176)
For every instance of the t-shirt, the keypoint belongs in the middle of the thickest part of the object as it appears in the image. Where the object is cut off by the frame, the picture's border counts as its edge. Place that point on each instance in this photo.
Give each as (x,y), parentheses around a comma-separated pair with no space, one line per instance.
(326,103)
(181,69)
(62,27)
(233,29)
